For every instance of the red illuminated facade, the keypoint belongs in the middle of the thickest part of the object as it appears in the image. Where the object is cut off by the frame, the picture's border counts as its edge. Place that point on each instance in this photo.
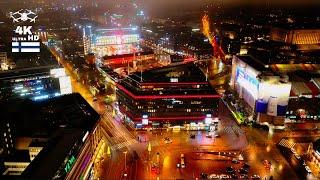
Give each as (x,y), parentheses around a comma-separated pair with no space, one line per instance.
(173,95)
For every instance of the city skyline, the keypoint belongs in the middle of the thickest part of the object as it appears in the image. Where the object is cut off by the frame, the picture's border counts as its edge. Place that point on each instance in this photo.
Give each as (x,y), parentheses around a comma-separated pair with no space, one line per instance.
(143,89)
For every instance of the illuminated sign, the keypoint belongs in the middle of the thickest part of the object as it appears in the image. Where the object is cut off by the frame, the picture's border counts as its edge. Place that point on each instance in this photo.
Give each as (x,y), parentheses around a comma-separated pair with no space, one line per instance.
(248,81)
(24,40)
(145,120)
(85,136)
(116,39)
(69,164)
(174,80)
(58,72)
(65,85)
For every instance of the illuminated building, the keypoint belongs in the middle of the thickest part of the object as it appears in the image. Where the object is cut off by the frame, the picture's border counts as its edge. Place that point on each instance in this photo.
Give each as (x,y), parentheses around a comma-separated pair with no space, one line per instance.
(266,93)
(175,95)
(122,60)
(108,42)
(296,36)
(70,135)
(34,83)
(16,164)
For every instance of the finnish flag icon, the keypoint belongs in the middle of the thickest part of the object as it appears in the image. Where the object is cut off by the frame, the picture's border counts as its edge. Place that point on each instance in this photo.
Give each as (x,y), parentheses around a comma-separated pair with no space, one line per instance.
(31,47)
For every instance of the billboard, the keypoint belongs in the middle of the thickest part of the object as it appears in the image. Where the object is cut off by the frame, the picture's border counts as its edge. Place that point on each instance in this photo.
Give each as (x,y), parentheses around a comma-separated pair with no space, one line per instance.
(65,85)
(274,97)
(115,39)
(248,80)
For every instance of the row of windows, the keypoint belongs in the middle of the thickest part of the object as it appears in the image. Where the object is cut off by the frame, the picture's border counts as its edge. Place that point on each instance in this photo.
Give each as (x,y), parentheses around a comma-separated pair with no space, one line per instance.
(17,166)
(171,107)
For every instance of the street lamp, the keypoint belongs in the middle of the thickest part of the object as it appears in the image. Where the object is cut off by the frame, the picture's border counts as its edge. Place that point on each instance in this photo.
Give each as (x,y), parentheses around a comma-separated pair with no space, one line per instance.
(125,160)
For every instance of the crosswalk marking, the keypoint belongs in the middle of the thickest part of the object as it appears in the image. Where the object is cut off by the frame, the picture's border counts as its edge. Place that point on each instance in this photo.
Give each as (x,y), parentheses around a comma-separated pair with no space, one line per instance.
(123,144)
(286,143)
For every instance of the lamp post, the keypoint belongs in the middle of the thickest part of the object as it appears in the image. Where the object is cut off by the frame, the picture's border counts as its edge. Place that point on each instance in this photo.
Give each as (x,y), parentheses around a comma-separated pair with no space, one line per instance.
(125,160)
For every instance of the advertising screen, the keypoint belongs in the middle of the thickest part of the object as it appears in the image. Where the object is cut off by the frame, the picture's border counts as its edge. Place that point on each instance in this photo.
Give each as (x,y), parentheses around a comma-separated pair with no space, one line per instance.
(247,81)
(65,85)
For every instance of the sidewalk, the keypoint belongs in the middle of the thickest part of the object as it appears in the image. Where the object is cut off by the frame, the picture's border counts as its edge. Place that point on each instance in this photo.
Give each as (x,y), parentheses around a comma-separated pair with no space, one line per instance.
(235,114)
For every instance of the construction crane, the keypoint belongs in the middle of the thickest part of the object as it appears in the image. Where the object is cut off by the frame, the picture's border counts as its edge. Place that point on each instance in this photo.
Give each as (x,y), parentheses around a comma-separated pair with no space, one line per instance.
(217,50)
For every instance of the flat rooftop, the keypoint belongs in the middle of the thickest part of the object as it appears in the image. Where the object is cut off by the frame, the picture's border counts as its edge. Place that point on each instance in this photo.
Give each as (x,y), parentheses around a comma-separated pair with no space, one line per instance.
(185,73)
(18,156)
(65,120)
(26,72)
(174,80)
(254,63)
(54,154)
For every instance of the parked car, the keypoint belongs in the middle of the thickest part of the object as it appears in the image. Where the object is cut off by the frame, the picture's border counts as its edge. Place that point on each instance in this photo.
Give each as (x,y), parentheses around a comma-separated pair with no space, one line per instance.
(243,171)
(229,170)
(246,166)
(213,176)
(208,136)
(255,176)
(243,176)
(224,176)
(235,161)
(203,175)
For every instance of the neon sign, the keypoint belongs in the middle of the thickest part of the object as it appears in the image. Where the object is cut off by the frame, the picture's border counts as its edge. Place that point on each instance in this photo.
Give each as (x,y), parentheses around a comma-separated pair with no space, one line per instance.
(69,164)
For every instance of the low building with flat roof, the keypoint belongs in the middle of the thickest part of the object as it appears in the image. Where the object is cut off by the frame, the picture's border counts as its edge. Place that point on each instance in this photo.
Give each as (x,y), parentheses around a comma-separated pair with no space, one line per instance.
(70,133)
(174,95)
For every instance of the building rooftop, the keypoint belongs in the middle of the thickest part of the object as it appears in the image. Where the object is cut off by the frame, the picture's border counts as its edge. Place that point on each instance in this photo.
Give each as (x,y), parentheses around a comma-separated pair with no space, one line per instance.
(183,79)
(45,117)
(184,73)
(54,153)
(26,72)
(128,55)
(38,144)
(254,63)
(18,156)
(273,52)
(65,119)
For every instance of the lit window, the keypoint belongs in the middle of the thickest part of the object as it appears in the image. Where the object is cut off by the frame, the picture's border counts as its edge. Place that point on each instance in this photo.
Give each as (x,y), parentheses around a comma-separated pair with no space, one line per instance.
(4,134)
(8,124)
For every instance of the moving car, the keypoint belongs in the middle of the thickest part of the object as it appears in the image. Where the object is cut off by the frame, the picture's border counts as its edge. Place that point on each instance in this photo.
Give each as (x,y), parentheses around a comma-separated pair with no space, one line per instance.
(167,140)
(183,165)
(208,136)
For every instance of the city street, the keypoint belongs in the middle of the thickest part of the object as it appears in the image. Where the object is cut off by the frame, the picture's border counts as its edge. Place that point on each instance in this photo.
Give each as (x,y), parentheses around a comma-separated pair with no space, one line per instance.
(201,153)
